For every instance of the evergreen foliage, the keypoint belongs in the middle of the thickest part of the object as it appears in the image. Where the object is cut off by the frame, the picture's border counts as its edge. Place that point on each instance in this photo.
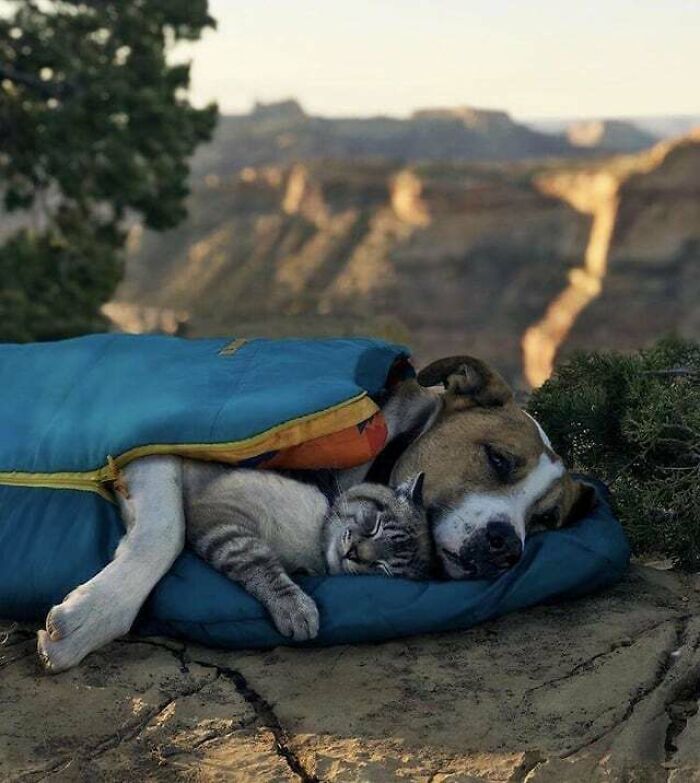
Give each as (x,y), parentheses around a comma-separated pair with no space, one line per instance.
(95,127)
(634,421)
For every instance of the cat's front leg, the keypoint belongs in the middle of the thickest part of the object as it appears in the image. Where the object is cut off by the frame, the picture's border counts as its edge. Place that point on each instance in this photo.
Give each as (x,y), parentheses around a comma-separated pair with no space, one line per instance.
(247,559)
(294,613)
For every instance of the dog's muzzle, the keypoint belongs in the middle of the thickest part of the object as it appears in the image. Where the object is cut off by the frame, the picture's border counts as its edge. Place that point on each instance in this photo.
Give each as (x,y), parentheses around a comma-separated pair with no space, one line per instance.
(491,550)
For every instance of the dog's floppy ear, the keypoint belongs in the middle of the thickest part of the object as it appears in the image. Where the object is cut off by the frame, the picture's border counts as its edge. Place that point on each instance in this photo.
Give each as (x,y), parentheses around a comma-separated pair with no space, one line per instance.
(468,381)
(580,499)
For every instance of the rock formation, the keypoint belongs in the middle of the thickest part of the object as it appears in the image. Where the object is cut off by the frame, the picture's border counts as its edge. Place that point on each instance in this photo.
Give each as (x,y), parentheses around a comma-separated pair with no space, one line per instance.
(452,256)
(460,257)
(609,136)
(283,133)
(652,286)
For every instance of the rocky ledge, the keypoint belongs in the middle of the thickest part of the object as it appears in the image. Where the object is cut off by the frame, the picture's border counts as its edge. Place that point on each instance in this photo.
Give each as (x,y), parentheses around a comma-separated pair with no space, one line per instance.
(603,688)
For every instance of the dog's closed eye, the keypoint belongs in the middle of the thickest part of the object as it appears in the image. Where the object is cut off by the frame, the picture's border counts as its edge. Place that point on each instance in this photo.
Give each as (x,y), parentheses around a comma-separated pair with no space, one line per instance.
(502,464)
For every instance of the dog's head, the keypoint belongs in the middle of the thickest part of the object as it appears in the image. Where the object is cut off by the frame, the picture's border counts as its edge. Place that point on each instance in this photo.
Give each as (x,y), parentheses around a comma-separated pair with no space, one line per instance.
(491,476)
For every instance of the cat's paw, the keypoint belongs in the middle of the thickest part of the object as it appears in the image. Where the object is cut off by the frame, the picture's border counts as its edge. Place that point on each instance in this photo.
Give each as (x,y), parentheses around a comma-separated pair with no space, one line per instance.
(295,615)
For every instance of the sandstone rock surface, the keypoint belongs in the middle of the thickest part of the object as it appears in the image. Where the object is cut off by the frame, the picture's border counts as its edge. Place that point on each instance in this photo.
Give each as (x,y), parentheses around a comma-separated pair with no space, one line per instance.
(603,688)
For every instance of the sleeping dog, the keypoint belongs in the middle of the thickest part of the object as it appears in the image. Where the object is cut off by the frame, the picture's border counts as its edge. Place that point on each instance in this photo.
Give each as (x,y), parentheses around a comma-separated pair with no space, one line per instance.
(490,478)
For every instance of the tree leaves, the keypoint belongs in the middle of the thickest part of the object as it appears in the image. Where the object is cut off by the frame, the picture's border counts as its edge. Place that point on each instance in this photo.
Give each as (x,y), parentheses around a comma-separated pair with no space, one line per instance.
(94,127)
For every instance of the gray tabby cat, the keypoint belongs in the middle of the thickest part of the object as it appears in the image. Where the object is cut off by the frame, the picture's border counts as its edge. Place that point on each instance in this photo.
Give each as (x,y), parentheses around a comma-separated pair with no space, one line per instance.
(258,527)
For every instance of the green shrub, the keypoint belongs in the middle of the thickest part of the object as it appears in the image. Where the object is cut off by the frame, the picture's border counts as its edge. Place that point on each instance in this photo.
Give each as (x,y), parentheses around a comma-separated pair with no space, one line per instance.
(633,420)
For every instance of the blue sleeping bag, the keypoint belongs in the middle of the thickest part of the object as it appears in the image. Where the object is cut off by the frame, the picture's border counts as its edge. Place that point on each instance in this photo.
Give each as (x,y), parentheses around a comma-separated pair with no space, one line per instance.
(72,413)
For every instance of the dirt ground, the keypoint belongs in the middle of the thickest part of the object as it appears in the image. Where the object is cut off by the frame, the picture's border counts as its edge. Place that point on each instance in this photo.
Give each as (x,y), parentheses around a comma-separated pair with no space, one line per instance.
(602,689)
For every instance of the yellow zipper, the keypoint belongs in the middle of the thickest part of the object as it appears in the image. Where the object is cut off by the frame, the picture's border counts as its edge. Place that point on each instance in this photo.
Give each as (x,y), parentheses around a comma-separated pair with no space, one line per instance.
(93,481)
(303,429)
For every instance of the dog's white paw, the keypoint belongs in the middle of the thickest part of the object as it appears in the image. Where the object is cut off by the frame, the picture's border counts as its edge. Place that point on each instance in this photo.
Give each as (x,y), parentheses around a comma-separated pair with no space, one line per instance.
(65,618)
(296,615)
(57,656)
(83,622)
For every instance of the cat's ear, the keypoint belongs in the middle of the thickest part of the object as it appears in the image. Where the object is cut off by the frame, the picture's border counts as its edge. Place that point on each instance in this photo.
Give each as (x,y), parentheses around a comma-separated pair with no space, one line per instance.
(412,489)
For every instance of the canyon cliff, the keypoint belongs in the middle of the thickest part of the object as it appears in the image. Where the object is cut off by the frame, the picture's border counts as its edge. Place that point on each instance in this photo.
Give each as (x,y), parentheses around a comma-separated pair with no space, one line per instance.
(652,284)
(518,262)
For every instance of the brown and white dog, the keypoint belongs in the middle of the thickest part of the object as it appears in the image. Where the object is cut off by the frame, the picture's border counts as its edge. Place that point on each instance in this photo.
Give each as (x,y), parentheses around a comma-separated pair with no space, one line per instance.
(490,478)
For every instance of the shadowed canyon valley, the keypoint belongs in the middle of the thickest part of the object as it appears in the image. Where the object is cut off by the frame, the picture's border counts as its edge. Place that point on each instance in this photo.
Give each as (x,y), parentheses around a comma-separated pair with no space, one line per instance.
(454,230)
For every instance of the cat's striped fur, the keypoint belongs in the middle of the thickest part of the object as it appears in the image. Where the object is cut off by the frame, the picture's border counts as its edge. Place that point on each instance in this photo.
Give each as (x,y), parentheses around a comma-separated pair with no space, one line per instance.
(258,528)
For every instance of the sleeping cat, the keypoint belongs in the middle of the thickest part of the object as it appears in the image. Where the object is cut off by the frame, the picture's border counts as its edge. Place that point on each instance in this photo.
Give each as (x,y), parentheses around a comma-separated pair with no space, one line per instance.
(258,527)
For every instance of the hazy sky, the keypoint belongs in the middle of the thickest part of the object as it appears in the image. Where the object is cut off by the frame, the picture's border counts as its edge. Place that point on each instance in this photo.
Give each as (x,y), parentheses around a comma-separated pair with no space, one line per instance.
(536,58)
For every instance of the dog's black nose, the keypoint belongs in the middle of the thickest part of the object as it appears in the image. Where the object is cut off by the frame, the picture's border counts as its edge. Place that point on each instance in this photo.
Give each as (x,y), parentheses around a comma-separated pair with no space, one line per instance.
(490,551)
(504,543)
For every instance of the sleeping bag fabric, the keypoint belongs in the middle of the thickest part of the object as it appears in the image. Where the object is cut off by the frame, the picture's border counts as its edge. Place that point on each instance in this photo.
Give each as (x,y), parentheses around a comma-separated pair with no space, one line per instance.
(72,413)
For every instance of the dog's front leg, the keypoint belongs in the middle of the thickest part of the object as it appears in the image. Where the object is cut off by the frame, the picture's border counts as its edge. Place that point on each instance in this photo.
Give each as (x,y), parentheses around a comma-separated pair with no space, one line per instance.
(105,607)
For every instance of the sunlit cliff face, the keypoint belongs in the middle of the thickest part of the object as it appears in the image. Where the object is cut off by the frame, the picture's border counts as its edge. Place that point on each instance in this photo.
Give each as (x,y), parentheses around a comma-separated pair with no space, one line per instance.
(595,193)
(141,319)
(365,262)
(407,199)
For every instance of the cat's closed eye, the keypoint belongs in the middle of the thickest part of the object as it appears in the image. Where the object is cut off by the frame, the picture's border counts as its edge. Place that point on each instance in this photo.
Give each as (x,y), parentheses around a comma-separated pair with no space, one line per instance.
(377,527)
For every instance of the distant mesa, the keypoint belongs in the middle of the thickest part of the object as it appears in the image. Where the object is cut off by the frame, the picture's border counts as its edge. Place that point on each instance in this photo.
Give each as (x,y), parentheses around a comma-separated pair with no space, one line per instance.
(482,120)
(282,132)
(287,110)
(609,136)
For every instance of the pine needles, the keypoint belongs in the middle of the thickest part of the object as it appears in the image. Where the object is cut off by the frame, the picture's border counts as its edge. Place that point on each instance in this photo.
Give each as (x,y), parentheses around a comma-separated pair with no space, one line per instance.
(633,420)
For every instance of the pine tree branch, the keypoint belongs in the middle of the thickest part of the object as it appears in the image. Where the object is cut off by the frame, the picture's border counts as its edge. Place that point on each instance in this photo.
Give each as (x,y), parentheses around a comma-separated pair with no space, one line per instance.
(44,88)
(674,372)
